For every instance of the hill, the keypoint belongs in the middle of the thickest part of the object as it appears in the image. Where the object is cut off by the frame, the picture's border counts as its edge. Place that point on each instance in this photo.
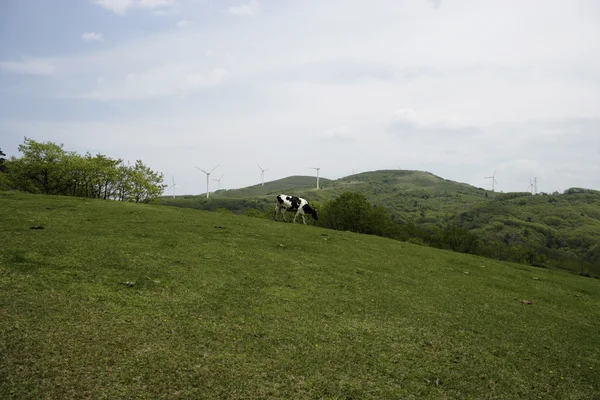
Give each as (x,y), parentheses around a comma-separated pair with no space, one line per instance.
(273,188)
(558,230)
(257,197)
(104,299)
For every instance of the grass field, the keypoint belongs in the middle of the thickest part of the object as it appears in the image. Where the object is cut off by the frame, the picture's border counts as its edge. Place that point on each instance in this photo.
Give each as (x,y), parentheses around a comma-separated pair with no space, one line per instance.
(117,300)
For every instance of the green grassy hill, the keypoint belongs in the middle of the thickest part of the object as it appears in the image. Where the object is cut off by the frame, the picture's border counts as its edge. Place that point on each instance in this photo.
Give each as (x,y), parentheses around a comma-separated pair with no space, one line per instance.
(103,299)
(562,228)
(257,197)
(403,193)
(273,188)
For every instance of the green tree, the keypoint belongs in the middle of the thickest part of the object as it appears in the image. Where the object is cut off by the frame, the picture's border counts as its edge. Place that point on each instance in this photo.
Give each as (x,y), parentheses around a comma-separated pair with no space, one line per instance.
(145,185)
(352,212)
(43,168)
(3,178)
(2,161)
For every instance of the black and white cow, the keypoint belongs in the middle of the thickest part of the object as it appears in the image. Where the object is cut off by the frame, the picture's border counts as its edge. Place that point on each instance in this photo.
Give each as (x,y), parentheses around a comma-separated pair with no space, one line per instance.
(293,203)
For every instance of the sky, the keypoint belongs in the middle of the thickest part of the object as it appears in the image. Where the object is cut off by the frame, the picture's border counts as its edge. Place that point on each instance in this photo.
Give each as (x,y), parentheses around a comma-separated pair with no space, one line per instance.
(458,88)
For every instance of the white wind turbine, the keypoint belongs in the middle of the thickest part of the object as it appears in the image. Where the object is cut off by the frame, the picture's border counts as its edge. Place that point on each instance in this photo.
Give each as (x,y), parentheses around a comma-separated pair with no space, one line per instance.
(207,177)
(218,182)
(173,186)
(531,186)
(493,178)
(262,174)
(318,169)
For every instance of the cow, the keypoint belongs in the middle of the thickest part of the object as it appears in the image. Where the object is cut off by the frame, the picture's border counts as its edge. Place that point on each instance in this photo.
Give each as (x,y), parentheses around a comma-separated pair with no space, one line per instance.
(293,203)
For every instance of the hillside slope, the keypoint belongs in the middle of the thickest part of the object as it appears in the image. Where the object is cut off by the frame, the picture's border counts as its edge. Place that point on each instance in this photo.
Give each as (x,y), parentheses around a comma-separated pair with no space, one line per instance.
(111,300)
(273,188)
(562,229)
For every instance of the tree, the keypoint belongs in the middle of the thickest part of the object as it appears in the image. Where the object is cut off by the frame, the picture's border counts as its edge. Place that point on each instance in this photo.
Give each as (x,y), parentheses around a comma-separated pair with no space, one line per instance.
(3,178)
(2,161)
(43,168)
(352,212)
(145,185)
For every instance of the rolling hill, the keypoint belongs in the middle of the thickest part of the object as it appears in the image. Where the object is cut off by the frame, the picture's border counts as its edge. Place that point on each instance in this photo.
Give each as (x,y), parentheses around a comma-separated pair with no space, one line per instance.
(102,299)
(273,188)
(562,229)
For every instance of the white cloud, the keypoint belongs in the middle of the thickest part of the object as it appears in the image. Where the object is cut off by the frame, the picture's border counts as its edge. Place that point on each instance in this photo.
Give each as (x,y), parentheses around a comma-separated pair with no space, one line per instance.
(251,8)
(158,82)
(28,66)
(182,24)
(340,133)
(435,3)
(92,36)
(120,7)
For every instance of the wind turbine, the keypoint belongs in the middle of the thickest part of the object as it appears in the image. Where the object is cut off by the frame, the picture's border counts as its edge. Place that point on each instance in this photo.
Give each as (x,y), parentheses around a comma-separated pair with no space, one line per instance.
(317,168)
(218,182)
(262,174)
(207,177)
(173,186)
(493,178)
(530,187)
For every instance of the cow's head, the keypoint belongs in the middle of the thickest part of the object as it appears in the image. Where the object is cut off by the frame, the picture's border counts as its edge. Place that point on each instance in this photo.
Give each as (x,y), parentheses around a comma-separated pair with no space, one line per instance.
(314,214)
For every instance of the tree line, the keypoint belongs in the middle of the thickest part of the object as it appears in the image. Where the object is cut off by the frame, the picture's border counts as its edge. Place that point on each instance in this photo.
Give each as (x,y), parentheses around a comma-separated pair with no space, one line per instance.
(47,168)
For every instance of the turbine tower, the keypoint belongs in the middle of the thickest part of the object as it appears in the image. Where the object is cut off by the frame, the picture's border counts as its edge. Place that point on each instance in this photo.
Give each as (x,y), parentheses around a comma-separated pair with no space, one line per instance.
(535,184)
(207,177)
(318,169)
(493,178)
(262,174)
(530,187)
(218,182)
(173,186)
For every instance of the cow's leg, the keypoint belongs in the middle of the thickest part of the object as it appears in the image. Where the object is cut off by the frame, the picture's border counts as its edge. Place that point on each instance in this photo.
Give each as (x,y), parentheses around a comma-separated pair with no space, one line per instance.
(303,220)
(296,216)
(276,212)
(283,212)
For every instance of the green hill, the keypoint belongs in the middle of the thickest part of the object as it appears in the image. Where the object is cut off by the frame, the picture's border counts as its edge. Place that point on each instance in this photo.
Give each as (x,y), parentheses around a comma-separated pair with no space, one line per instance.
(257,197)
(273,188)
(557,230)
(102,299)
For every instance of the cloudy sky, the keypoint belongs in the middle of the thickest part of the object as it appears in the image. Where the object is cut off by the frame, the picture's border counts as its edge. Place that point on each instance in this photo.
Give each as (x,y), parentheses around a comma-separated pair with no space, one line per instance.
(459,88)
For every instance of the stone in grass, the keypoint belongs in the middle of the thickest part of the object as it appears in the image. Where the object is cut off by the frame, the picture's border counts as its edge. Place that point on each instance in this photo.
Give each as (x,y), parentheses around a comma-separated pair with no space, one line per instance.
(127,283)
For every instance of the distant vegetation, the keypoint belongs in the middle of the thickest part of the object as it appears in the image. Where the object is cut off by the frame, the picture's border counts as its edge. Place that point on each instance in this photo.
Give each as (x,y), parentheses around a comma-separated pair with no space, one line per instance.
(547,230)
(49,169)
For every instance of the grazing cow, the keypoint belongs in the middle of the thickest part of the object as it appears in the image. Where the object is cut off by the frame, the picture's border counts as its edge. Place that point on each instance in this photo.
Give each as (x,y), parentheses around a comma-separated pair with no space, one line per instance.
(293,203)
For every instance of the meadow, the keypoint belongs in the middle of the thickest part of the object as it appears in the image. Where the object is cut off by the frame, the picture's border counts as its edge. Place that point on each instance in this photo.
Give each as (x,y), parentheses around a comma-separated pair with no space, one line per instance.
(104,299)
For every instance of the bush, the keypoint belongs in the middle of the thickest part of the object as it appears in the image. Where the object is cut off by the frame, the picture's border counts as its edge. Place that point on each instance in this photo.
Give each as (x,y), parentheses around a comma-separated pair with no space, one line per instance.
(352,212)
